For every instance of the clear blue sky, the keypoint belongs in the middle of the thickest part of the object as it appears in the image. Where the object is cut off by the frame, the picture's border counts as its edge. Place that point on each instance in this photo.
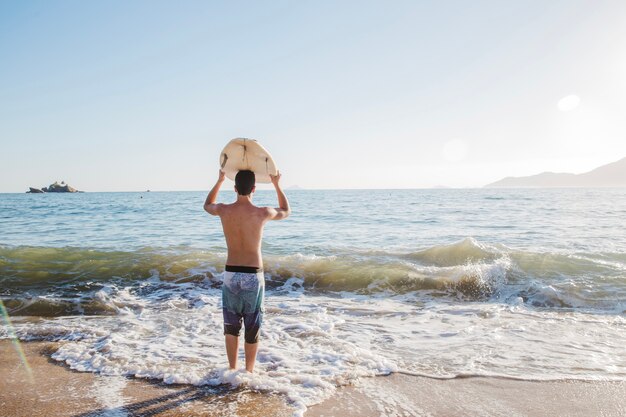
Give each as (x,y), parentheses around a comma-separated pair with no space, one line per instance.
(144,94)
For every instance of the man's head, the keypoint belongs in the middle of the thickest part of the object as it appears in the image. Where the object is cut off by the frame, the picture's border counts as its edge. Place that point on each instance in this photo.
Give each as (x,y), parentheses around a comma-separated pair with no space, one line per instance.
(244,182)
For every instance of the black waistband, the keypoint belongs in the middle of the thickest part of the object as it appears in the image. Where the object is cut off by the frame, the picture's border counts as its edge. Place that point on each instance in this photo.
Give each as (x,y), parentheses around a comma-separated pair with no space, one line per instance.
(247,269)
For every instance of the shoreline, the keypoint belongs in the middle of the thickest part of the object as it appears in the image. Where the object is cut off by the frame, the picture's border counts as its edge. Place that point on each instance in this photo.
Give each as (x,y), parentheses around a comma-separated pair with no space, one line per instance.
(56,390)
(406,395)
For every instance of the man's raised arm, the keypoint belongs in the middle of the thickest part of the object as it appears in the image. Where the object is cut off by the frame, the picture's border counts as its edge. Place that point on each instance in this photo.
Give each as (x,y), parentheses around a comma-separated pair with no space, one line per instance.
(209,204)
(283,210)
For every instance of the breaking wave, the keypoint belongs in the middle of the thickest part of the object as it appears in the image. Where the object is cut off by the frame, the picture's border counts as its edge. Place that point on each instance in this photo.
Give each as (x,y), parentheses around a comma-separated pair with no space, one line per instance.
(46,281)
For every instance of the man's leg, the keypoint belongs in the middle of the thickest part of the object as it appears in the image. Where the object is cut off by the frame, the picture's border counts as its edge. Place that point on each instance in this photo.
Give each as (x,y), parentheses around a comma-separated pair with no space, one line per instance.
(232,326)
(252,323)
(232,346)
(251,350)
(253,320)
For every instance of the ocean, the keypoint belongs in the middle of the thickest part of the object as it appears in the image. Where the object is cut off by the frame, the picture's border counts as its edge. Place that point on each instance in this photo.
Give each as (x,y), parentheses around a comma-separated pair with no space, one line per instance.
(444,283)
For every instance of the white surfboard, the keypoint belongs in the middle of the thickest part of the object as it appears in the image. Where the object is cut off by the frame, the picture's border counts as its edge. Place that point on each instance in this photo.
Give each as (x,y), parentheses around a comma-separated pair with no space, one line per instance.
(241,154)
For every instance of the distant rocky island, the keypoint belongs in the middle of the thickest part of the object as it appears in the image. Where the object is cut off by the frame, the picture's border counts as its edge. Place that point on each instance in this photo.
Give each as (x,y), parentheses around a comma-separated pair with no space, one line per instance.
(609,175)
(54,188)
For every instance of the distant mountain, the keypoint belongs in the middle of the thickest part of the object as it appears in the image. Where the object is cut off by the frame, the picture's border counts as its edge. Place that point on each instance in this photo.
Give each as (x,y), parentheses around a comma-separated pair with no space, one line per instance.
(609,175)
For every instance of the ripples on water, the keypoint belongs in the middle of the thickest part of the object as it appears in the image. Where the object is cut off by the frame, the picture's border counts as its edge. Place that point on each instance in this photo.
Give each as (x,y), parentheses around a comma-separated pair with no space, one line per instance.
(564,220)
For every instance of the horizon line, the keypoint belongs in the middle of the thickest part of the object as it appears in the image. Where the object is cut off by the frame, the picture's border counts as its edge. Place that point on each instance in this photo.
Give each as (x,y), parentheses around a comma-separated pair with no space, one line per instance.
(338,189)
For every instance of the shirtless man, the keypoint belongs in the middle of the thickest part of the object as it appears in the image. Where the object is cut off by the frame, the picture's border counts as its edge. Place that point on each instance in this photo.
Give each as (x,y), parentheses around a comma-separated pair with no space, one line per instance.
(244,285)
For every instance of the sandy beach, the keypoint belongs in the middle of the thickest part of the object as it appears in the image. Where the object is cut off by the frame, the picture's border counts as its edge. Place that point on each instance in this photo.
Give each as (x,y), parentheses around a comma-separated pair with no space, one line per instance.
(56,390)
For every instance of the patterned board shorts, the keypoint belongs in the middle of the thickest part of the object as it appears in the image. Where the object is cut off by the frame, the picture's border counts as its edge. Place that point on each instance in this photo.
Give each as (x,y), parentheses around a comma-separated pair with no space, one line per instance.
(243,291)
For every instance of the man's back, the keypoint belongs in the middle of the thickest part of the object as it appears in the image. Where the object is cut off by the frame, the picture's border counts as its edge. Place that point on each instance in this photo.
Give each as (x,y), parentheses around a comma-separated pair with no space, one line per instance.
(243,224)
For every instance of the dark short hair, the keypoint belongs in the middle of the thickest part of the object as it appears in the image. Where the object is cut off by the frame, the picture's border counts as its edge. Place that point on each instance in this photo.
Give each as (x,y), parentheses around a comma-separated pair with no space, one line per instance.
(244,181)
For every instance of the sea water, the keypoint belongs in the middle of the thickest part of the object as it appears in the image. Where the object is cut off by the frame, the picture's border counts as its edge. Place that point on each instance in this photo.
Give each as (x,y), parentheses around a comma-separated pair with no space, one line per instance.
(524,283)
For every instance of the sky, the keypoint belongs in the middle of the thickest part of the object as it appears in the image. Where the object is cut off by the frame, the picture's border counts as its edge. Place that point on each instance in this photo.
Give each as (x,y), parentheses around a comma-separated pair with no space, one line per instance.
(129,96)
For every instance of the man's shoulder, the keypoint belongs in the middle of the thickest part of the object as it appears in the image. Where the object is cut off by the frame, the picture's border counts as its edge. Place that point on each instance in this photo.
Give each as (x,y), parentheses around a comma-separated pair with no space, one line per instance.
(232,207)
(222,208)
(263,211)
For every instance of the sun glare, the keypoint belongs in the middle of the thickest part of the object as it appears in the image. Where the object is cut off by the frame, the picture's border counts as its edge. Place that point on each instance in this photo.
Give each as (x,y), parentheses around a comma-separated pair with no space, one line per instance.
(454,150)
(15,341)
(568,103)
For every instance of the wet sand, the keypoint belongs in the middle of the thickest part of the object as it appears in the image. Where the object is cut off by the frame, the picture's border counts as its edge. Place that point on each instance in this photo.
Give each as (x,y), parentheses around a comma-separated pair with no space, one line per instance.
(55,390)
(403,395)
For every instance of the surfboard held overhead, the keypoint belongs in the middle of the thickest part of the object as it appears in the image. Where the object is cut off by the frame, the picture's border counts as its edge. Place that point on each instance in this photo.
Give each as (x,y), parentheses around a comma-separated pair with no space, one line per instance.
(241,154)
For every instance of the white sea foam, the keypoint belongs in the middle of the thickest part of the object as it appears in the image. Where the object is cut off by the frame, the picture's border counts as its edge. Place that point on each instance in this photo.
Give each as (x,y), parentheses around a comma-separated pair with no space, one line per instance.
(312,344)
(109,393)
